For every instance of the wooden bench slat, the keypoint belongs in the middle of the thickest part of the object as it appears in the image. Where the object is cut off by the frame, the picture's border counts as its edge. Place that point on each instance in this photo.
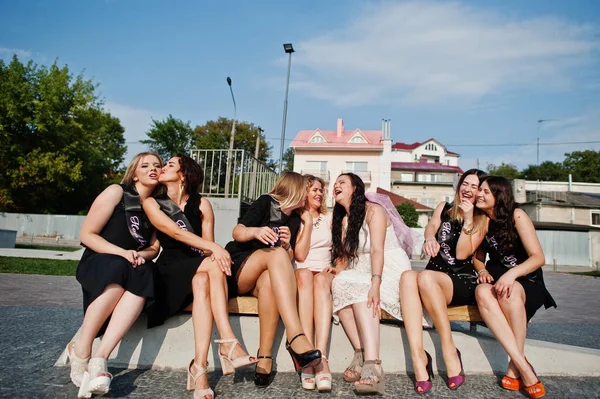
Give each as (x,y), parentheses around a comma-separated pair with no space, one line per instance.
(249,305)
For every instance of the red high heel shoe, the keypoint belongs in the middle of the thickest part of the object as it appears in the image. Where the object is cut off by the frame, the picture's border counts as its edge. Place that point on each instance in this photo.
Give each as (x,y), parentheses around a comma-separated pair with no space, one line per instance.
(456,381)
(422,387)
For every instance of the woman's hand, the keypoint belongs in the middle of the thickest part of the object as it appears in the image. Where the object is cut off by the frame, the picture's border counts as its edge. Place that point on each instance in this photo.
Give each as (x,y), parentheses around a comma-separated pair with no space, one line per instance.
(285,235)
(132,257)
(484,277)
(504,285)
(306,217)
(222,258)
(266,235)
(467,208)
(431,247)
(330,269)
(373,298)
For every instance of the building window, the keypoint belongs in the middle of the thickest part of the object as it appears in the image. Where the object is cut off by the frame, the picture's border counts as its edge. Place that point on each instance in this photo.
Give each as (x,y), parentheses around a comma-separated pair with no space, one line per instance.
(429,177)
(596,218)
(316,166)
(357,166)
(317,139)
(357,140)
(429,202)
(431,147)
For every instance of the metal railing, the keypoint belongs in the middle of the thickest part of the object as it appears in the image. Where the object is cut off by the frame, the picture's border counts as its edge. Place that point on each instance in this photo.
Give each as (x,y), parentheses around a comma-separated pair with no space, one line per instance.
(323,174)
(363,174)
(250,178)
(546,196)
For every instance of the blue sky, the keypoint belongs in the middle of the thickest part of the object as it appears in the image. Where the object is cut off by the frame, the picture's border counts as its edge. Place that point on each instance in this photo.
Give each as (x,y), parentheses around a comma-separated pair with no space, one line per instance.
(470,74)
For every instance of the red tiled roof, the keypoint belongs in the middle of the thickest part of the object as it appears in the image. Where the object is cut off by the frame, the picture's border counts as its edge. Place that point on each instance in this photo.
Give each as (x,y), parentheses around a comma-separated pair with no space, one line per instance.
(405,146)
(425,167)
(373,138)
(398,199)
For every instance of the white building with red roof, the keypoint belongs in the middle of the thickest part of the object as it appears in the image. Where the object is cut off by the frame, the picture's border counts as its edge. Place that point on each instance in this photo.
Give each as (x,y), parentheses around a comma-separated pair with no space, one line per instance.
(422,172)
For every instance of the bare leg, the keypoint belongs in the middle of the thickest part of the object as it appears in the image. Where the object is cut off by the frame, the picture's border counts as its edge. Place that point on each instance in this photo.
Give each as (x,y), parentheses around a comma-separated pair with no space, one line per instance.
(412,314)
(346,316)
(219,304)
(277,262)
(322,315)
(514,310)
(304,279)
(368,329)
(95,316)
(123,316)
(268,317)
(496,321)
(436,291)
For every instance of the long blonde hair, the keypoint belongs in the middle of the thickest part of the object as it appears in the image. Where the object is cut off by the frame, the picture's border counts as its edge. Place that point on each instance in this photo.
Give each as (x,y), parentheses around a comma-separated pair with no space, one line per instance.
(310,180)
(289,189)
(131,168)
(479,217)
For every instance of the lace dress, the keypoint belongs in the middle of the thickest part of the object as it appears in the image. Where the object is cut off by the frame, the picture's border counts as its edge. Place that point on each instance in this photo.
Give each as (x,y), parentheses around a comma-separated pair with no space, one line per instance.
(352,285)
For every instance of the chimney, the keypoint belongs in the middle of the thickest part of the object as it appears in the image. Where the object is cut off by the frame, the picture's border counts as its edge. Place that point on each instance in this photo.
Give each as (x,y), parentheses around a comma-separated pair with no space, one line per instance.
(340,127)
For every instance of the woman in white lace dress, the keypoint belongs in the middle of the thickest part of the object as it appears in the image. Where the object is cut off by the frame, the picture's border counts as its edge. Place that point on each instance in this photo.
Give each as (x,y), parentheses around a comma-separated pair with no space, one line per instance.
(369,261)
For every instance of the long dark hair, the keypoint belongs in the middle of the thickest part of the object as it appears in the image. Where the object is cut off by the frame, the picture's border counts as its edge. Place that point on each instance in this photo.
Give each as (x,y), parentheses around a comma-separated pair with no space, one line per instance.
(193,174)
(349,248)
(504,208)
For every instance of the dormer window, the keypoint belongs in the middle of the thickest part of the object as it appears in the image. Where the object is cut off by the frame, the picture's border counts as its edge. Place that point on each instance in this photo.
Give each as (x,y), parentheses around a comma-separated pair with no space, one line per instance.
(430,147)
(317,139)
(357,140)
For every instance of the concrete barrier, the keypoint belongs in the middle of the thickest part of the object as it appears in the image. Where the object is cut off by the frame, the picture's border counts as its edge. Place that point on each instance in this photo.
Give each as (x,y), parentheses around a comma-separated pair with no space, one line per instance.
(171,347)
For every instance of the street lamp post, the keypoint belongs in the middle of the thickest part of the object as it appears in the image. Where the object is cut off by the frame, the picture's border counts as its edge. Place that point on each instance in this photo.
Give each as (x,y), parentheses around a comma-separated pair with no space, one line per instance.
(231,138)
(289,49)
(539,123)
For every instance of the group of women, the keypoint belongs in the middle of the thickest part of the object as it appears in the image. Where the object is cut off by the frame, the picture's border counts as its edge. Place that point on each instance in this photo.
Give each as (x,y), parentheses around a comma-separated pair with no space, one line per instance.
(304,266)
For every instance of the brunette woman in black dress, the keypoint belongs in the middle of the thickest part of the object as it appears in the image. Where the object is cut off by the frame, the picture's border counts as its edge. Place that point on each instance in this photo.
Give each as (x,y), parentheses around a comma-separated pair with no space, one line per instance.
(451,237)
(193,268)
(511,285)
(113,274)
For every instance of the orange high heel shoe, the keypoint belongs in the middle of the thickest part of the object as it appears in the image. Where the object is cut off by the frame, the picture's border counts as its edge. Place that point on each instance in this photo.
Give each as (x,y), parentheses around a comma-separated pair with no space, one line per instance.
(512,384)
(536,390)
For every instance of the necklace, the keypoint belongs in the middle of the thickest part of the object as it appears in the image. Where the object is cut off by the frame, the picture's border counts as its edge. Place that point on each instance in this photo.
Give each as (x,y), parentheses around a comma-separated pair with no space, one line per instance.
(317,222)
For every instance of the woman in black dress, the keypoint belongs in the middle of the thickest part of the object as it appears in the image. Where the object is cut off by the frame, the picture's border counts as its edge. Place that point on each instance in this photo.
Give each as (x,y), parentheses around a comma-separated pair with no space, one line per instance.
(193,268)
(264,243)
(451,237)
(511,285)
(112,272)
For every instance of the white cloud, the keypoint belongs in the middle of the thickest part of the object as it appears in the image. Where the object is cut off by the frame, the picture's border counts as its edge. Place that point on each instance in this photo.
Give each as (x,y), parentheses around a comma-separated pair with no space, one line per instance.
(427,52)
(9,52)
(136,122)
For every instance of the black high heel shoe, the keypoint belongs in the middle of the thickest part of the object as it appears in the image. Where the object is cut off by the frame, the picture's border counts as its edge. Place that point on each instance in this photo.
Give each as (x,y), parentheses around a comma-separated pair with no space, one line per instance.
(263,379)
(301,360)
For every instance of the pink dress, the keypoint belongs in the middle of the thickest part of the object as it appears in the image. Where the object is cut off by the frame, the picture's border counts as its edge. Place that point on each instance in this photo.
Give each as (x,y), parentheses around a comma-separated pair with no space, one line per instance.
(319,254)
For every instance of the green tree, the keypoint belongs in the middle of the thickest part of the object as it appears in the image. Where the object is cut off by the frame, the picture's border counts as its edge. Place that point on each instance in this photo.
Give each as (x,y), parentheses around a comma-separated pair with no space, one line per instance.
(584,166)
(288,159)
(215,135)
(546,171)
(409,214)
(169,137)
(504,169)
(58,146)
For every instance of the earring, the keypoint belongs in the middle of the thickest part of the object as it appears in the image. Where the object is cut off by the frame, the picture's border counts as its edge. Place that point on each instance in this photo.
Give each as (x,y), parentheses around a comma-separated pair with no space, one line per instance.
(135,179)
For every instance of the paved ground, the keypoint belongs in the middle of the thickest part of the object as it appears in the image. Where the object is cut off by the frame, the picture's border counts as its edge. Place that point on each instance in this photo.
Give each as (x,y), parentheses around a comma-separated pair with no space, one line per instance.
(39,315)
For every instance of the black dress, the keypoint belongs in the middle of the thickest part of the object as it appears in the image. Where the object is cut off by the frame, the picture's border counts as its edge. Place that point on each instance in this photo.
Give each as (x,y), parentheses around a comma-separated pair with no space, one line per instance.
(176,266)
(265,211)
(501,261)
(461,272)
(97,270)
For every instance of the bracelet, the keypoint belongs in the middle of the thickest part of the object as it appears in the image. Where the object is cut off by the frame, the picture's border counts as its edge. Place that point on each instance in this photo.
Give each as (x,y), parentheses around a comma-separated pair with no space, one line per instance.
(376,275)
(482,271)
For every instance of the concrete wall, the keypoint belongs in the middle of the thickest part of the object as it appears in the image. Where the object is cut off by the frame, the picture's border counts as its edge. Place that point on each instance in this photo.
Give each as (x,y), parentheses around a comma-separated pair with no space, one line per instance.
(541,212)
(67,226)
(532,185)
(420,192)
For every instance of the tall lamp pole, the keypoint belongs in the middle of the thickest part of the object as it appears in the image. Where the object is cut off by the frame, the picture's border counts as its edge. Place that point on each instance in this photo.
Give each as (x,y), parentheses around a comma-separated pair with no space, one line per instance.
(289,49)
(539,123)
(231,138)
